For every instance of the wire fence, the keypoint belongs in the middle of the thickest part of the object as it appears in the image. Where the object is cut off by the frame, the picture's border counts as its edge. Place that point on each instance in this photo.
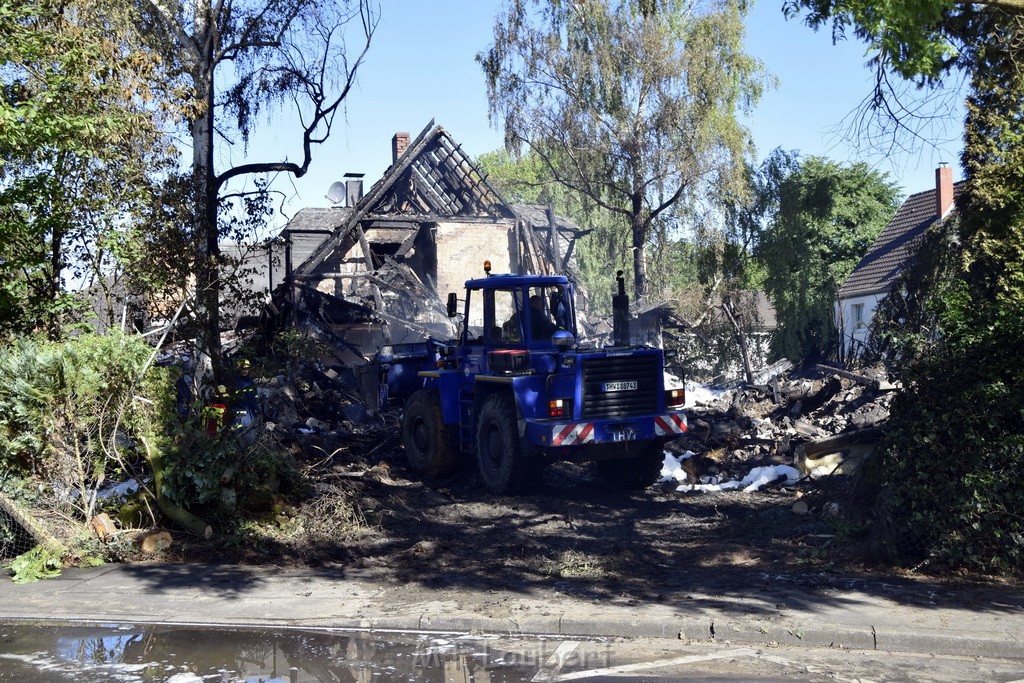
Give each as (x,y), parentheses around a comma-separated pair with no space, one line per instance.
(20,530)
(14,539)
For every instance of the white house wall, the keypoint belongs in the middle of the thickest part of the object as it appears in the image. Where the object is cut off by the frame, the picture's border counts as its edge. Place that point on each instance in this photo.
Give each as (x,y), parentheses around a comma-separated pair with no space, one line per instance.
(855,334)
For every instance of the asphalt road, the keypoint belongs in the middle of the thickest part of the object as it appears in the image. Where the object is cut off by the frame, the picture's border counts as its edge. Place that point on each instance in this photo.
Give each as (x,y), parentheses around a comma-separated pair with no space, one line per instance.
(104,653)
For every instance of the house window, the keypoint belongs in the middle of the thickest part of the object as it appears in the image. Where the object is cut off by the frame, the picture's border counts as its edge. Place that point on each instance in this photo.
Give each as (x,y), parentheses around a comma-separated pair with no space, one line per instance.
(858,316)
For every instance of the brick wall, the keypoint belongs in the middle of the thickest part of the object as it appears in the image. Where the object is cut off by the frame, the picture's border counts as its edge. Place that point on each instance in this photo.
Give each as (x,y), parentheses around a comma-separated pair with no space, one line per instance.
(462,249)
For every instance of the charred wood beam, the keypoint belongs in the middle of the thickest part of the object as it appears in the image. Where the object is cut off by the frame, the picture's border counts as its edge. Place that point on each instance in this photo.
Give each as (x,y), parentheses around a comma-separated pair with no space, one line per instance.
(424,185)
(877,385)
(406,246)
(527,262)
(485,195)
(410,277)
(553,246)
(394,320)
(543,267)
(335,241)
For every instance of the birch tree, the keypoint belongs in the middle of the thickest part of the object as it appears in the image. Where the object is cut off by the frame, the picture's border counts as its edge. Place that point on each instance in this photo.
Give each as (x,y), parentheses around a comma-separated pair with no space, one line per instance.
(631,103)
(245,60)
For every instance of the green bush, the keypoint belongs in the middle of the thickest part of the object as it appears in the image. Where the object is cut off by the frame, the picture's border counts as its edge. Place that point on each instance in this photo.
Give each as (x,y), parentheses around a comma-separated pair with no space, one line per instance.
(198,465)
(73,412)
(955,443)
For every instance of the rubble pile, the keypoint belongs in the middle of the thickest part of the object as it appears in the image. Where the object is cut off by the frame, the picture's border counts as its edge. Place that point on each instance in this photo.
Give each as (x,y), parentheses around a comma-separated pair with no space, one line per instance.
(822,420)
(323,408)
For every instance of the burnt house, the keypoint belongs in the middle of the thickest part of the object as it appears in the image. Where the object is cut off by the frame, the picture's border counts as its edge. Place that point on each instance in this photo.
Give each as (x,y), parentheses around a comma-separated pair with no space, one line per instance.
(377,270)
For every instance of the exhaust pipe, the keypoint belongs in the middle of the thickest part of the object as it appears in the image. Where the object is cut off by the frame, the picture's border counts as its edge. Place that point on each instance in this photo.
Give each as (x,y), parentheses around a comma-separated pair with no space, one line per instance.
(620,314)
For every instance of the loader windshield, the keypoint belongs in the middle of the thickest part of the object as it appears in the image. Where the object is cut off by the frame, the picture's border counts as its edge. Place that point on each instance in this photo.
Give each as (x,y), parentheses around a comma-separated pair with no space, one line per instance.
(550,311)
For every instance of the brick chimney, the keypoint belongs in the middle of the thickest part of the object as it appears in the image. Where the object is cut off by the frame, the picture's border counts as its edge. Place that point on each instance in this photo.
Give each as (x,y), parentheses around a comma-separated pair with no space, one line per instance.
(943,190)
(399,143)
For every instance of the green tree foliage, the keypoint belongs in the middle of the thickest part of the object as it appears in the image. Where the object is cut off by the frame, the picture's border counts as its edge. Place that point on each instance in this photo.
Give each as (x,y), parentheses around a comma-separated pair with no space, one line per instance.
(78,146)
(631,104)
(528,179)
(828,216)
(954,451)
(955,448)
(919,40)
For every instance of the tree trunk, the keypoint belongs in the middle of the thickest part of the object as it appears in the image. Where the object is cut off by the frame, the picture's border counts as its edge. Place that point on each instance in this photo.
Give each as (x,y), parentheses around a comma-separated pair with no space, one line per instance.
(56,256)
(741,338)
(638,229)
(205,197)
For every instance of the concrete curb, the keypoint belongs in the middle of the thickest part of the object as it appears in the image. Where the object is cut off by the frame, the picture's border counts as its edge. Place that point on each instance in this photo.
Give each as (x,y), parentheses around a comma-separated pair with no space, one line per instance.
(990,645)
(185,596)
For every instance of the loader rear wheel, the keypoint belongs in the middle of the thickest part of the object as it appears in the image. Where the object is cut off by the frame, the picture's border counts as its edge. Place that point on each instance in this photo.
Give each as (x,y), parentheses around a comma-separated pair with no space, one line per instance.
(427,439)
(633,474)
(500,452)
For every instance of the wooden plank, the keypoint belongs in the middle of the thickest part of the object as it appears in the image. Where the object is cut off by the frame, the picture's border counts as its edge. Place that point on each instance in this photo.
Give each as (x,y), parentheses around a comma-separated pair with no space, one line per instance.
(553,246)
(877,385)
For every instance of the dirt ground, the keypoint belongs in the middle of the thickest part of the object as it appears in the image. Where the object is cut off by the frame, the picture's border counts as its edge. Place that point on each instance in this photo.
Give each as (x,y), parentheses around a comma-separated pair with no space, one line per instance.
(570,529)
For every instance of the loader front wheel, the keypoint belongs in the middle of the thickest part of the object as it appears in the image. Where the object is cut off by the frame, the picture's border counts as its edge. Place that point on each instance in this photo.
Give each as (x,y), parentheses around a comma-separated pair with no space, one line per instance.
(500,451)
(427,439)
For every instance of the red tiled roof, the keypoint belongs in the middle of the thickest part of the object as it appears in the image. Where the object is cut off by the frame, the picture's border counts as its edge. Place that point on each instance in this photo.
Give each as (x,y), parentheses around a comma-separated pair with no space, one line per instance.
(894,248)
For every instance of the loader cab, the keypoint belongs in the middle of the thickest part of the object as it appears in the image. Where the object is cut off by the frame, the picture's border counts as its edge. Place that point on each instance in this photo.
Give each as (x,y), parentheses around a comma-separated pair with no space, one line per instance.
(516,311)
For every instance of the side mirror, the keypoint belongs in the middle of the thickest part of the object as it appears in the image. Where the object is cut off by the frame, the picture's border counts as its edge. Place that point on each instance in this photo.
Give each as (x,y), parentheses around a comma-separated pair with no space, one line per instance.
(453,305)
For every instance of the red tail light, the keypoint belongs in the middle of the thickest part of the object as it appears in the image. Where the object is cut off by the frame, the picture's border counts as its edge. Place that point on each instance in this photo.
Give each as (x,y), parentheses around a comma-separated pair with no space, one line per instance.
(559,407)
(675,398)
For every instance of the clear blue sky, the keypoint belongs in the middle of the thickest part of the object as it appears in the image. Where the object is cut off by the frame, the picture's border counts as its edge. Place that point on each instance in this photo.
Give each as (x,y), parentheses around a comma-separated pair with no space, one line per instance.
(421,66)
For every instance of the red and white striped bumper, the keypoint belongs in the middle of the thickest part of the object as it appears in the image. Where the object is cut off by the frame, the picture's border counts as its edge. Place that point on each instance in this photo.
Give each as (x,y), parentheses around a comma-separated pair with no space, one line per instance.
(671,424)
(572,434)
(579,433)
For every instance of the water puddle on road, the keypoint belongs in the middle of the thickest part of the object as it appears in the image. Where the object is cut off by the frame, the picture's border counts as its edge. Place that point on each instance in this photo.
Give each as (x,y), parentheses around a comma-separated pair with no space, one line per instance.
(126,654)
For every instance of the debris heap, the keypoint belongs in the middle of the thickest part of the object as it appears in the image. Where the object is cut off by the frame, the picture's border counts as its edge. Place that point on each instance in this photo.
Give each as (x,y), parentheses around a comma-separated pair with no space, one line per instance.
(822,420)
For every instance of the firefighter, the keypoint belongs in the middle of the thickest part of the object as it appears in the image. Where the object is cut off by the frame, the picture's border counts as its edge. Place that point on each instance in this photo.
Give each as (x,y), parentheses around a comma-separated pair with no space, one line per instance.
(214,414)
(244,404)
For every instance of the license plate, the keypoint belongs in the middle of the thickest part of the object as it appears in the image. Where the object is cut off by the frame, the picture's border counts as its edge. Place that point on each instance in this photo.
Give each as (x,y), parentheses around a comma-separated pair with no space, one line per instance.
(624,435)
(619,386)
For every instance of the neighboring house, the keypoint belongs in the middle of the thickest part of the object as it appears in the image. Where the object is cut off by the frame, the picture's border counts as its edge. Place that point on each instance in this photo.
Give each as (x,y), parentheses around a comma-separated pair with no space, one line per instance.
(893,250)
(385,262)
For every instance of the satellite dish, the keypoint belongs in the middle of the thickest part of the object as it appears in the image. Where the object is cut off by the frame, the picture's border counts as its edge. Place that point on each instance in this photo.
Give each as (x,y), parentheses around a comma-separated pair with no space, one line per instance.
(336,192)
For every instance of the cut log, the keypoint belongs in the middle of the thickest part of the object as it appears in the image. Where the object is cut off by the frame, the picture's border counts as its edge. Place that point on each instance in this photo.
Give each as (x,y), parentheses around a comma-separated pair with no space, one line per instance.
(103,526)
(183,518)
(808,456)
(155,542)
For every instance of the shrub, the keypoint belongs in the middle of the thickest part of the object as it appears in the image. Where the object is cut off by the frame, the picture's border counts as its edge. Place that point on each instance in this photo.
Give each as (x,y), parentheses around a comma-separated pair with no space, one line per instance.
(955,443)
(71,412)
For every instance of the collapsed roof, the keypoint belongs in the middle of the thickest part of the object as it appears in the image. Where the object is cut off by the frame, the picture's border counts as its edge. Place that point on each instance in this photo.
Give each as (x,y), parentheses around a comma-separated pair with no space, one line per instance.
(420,231)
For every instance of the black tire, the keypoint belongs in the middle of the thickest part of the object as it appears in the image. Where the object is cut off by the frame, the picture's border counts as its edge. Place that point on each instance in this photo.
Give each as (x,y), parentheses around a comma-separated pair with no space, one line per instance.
(427,439)
(500,453)
(633,474)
